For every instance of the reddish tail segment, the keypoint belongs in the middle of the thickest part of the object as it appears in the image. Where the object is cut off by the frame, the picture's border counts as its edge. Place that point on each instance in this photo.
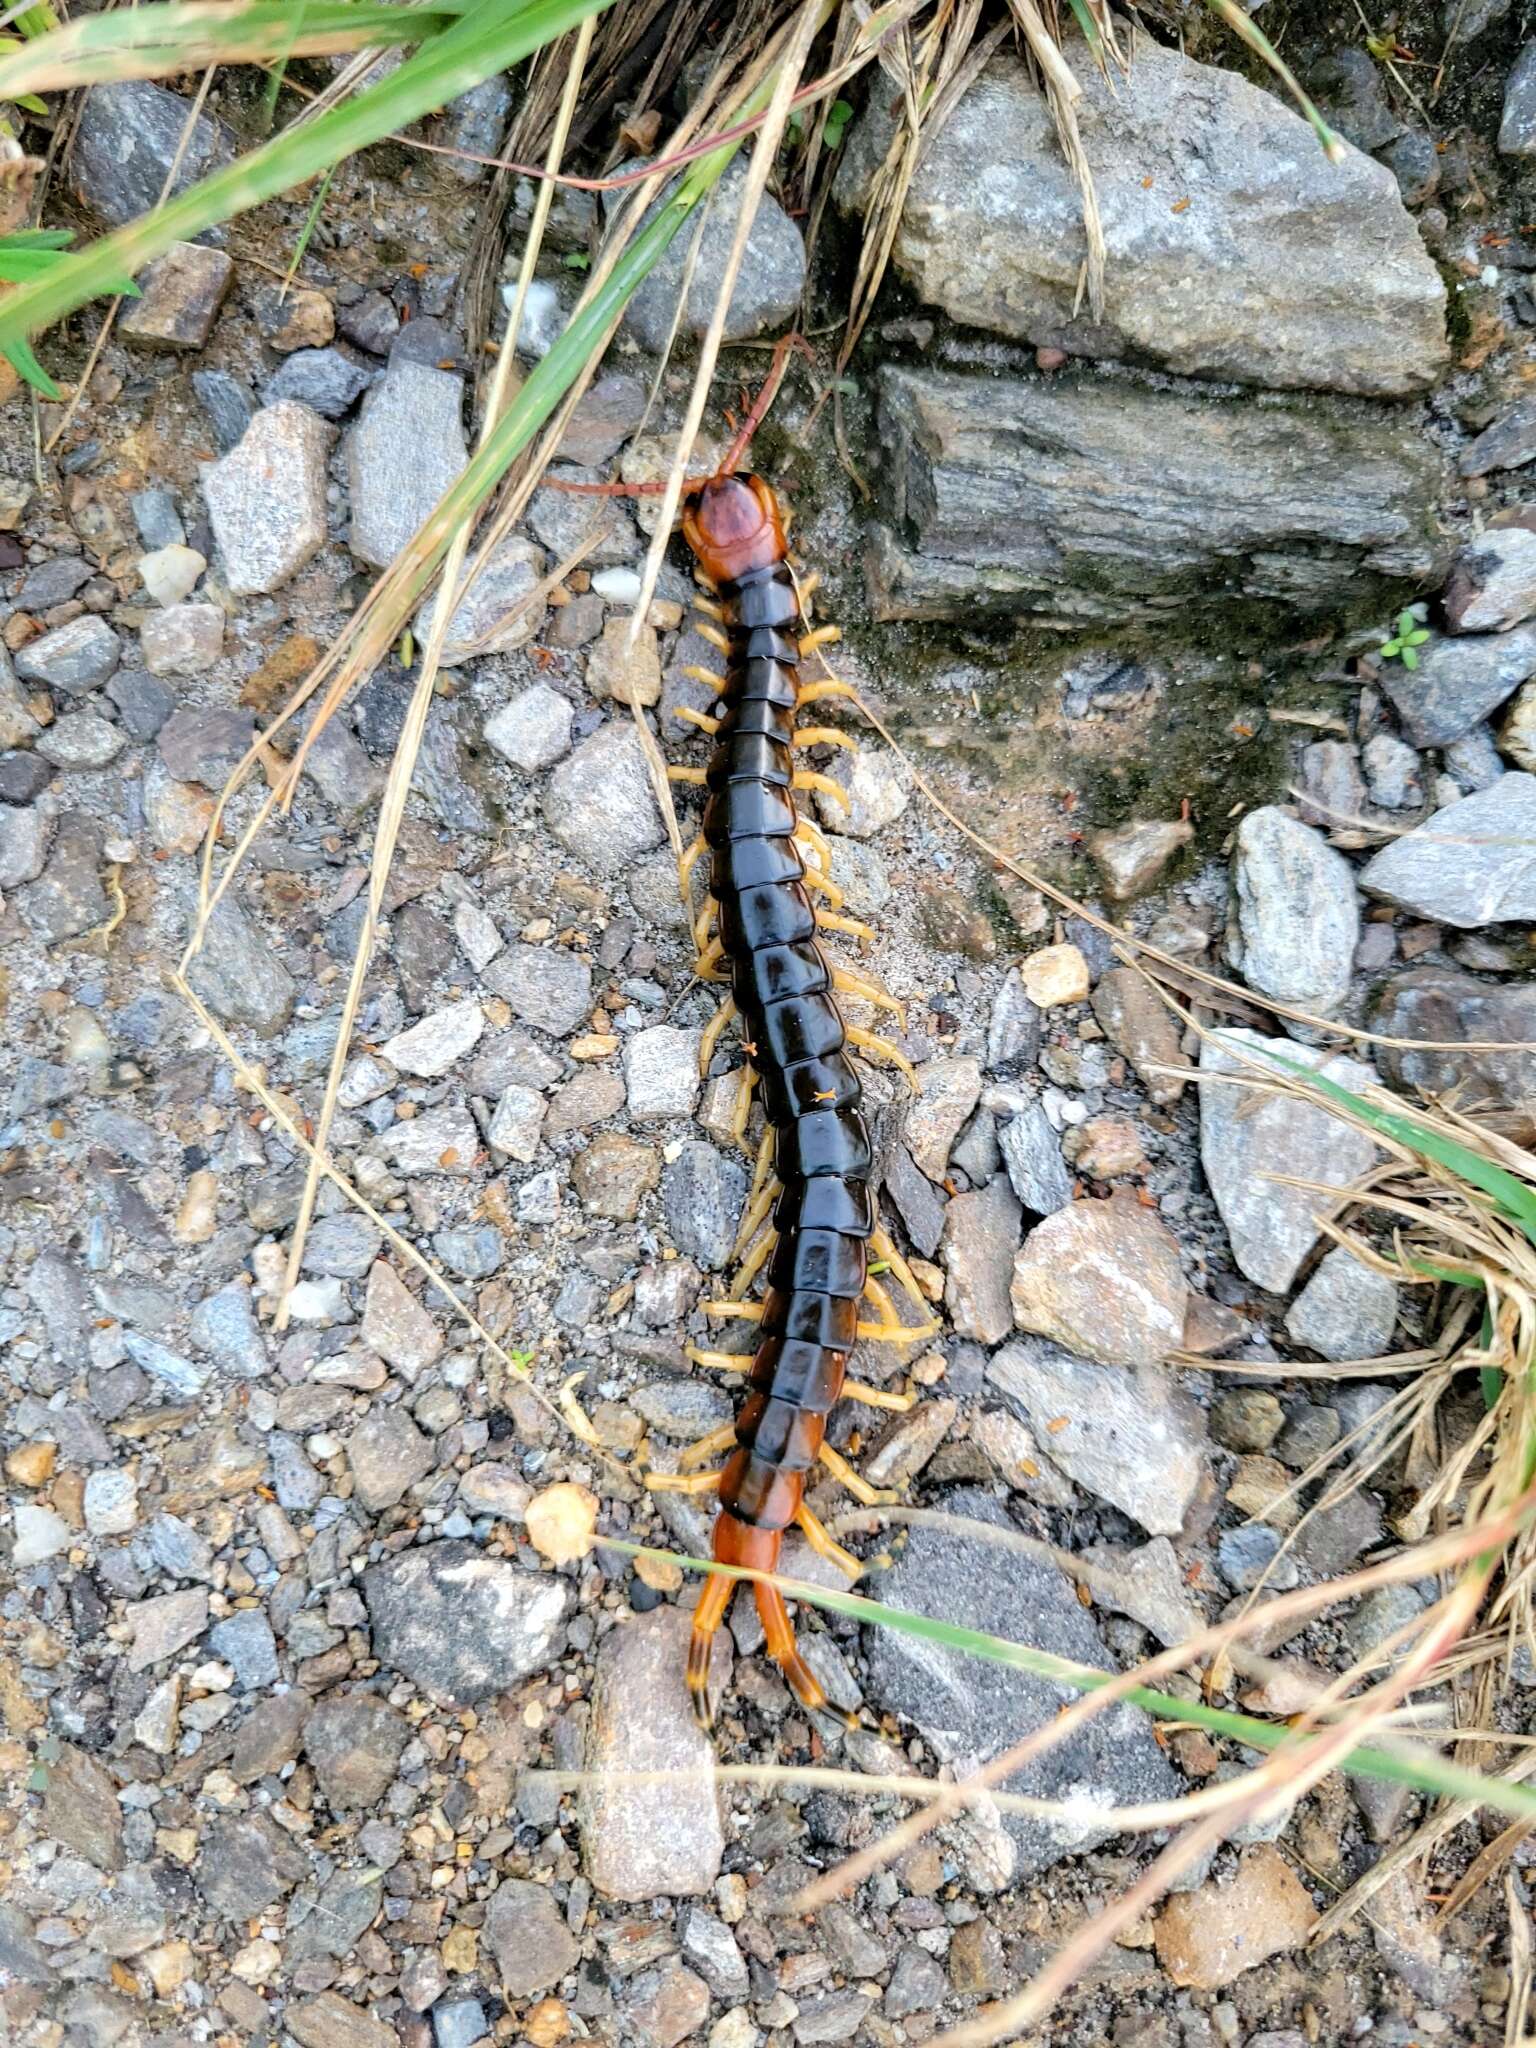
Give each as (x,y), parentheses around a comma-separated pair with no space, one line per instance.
(782,985)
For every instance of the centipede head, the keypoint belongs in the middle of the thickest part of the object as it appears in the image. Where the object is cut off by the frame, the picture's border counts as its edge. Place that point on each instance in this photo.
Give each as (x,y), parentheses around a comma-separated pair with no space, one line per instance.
(733,524)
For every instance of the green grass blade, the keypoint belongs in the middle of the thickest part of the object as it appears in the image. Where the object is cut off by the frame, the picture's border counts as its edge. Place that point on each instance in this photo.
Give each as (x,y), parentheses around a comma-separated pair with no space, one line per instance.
(1514,1199)
(1425,1772)
(491,39)
(21,359)
(1248,31)
(156,41)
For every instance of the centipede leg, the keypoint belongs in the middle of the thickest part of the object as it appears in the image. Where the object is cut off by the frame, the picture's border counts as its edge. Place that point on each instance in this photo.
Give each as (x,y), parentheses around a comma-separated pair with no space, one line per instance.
(882,1247)
(830,921)
(810,835)
(710,1036)
(849,984)
(722,1439)
(823,636)
(871,1041)
(812,693)
(753,1217)
(753,1263)
(707,966)
(889,1320)
(825,1544)
(685,864)
(779,1631)
(707,1617)
(808,778)
(741,1115)
(722,1361)
(703,921)
(710,676)
(682,1482)
(901,1333)
(693,775)
(701,719)
(824,736)
(816,880)
(877,1397)
(868,1496)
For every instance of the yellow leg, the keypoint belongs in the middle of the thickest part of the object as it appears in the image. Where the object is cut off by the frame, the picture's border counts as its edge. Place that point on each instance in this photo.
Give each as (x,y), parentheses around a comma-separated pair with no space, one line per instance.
(889,1320)
(743,1111)
(722,1439)
(823,736)
(755,1217)
(841,1470)
(807,587)
(703,579)
(682,1482)
(710,609)
(753,1263)
(880,1244)
(882,1333)
(721,1361)
(715,638)
(877,1397)
(807,778)
(694,775)
(712,677)
(710,1037)
(707,1617)
(707,966)
(824,636)
(831,922)
(825,1545)
(870,992)
(834,895)
(699,718)
(703,921)
(814,838)
(760,1177)
(870,1041)
(812,693)
(743,1311)
(686,861)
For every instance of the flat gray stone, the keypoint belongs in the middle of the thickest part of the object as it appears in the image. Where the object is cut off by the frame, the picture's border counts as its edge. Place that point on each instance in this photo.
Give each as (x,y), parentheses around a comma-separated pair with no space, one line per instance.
(492,616)
(461,1624)
(533,731)
(702,1192)
(1458,682)
(74,658)
(238,974)
(1249,1138)
(600,803)
(1345,1311)
(767,289)
(126,141)
(266,497)
(83,740)
(406,450)
(1154,503)
(1442,1004)
(1493,579)
(1295,915)
(182,640)
(24,837)
(971,1711)
(1127,1435)
(1032,1154)
(526,1933)
(1311,272)
(641,1842)
(546,986)
(1474,863)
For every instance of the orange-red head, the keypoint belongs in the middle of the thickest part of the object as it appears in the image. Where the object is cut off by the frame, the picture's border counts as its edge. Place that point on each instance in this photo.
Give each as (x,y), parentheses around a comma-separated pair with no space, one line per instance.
(734,525)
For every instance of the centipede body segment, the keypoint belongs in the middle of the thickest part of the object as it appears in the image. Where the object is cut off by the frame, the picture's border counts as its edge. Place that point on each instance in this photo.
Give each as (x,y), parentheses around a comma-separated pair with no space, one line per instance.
(823,1219)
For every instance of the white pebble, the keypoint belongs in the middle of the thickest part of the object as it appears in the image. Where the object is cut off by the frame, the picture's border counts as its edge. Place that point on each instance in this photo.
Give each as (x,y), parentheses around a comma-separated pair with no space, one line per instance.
(617,586)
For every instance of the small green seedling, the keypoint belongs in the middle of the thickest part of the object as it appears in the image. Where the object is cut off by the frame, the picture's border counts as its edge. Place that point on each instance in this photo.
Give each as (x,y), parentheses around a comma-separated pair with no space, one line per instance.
(1403,645)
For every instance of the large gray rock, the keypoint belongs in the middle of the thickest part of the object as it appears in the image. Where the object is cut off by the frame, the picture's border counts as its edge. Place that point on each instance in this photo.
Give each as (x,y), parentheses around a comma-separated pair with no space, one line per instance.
(266,497)
(1442,1004)
(238,974)
(971,1711)
(600,803)
(1130,1437)
(1236,249)
(1346,1310)
(462,1624)
(405,451)
(1250,1140)
(1458,682)
(767,290)
(1295,915)
(1473,863)
(125,142)
(1493,579)
(1085,498)
(648,1841)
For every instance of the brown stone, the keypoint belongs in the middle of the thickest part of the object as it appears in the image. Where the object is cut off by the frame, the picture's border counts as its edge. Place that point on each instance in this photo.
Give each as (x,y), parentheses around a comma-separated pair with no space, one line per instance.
(1208,1938)
(331,2021)
(1138,1023)
(1104,1279)
(181,293)
(614,1175)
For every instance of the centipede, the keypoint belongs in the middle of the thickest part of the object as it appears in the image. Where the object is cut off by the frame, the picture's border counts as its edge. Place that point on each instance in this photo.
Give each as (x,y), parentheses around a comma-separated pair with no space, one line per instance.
(811,1229)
